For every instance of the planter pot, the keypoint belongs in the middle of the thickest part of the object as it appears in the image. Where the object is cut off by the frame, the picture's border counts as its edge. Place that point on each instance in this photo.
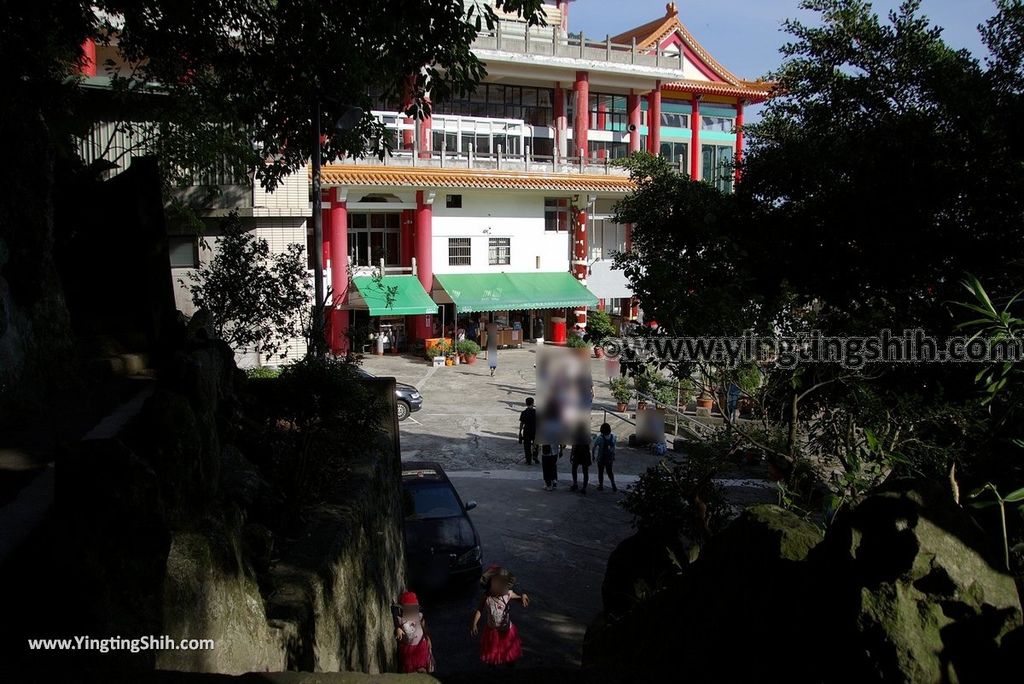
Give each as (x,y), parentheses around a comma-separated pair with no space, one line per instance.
(621,406)
(584,352)
(470,359)
(705,403)
(641,405)
(449,361)
(599,352)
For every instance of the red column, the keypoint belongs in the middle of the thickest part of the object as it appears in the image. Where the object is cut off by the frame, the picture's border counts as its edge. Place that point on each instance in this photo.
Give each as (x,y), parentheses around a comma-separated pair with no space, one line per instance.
(581,118)
(339,272)
(560,123)
(88,63)
(633,112)
(695,138)
(424,261)
(579,261)
(654,120)
(739,137)
(325,219)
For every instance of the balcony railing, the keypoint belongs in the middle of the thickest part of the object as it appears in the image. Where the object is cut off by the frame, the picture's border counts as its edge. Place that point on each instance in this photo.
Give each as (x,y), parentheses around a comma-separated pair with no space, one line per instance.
(494,161)
(552,42)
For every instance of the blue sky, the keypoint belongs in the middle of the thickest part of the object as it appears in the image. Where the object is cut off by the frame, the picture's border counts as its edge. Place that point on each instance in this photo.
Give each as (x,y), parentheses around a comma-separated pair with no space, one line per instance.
(745,35)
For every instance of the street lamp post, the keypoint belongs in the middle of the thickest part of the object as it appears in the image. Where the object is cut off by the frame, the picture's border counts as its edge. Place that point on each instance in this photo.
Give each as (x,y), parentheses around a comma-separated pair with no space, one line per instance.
(349,119)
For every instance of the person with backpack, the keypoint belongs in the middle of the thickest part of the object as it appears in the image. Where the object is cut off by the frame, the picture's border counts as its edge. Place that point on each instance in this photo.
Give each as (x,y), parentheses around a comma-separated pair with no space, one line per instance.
(604,453)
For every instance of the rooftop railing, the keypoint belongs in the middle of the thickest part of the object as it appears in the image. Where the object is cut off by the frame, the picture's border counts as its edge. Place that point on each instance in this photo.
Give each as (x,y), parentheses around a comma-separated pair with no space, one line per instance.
(552,42)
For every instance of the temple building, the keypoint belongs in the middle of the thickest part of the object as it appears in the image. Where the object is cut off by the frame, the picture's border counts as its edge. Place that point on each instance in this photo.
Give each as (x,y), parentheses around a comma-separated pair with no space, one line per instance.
(498,207)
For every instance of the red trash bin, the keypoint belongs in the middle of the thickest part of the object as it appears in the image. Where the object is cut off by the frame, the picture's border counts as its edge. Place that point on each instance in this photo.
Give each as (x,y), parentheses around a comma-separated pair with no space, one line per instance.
(558,335)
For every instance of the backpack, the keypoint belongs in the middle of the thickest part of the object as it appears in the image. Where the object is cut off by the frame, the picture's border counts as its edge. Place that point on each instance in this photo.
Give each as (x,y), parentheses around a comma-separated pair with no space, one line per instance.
(606,448)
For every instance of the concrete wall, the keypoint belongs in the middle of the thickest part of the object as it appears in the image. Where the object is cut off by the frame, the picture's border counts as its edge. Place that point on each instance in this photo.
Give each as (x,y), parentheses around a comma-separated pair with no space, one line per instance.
(519,216)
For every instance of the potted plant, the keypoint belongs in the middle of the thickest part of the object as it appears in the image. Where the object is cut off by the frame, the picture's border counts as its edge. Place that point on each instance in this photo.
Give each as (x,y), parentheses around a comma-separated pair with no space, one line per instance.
(440,348)
(621,393)
(576,341)
(599,326)
(644,382)
(664,393)
(468,350)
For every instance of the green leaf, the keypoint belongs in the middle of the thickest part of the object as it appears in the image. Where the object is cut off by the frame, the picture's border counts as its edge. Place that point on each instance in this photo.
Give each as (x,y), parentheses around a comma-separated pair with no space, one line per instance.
(1015,496)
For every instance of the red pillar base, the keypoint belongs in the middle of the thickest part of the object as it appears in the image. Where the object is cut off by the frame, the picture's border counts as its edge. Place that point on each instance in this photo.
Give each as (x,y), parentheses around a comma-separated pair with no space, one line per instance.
(338,331)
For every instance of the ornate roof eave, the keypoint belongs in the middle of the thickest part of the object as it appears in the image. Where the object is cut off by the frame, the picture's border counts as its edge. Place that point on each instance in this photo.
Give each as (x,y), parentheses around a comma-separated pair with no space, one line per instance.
(469,179)
(655,32)
(753,92)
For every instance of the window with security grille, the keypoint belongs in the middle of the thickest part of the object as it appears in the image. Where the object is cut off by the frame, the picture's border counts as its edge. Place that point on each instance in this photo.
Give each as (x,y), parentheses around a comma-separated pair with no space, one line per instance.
(459,252)
(499,251)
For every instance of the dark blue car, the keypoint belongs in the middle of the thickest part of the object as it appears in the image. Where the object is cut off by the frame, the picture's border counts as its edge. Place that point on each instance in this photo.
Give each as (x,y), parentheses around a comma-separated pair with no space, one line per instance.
(441,543)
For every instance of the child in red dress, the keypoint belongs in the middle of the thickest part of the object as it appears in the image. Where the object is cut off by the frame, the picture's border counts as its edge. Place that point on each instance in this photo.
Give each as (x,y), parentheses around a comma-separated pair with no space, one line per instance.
(415,652)
(500,643)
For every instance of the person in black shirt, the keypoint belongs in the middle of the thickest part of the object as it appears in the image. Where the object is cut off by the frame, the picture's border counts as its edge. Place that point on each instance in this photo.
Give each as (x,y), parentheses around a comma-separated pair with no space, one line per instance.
(528,430)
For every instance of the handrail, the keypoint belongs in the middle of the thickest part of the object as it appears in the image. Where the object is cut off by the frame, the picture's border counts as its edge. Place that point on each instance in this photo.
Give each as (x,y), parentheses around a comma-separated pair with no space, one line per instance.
(695,427)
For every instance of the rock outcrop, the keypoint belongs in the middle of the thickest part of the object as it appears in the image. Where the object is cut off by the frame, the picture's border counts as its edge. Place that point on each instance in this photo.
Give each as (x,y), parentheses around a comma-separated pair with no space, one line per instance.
(904,587)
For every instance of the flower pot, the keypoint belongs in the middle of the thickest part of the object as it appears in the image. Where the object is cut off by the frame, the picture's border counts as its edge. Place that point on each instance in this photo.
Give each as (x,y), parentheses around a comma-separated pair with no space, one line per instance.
(705,403)
(641,405)
(470,359)
(621,406)
(598,351)
(449,361)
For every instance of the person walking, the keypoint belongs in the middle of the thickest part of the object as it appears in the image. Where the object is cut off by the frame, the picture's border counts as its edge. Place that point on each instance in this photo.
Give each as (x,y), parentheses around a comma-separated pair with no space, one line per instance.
(579,457)
(549,466)
(500,643)
(415,650)
(492,347)
(528,430)
(604,454)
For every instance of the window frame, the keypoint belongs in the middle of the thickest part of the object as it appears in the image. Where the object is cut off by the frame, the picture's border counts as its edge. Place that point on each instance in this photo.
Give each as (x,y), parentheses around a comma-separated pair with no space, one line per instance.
(495,250)
(454,257)
(192,240)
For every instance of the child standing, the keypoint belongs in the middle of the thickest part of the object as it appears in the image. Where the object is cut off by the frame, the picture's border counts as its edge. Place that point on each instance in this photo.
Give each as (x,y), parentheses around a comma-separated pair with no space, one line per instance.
(580,458)
(549,464)
(604,453)
(500,643)
(415,652)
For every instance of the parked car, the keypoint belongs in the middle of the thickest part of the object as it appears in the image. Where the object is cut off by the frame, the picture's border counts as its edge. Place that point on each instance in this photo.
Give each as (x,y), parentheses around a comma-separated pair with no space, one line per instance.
(441,542)
(409,398)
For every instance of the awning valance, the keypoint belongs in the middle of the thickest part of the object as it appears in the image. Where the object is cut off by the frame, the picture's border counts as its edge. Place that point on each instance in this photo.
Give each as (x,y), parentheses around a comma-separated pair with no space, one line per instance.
(514,291)
(409,297)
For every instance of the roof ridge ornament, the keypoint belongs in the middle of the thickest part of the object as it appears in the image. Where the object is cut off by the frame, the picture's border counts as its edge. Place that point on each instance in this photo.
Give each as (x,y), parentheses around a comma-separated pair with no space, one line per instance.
(671,10)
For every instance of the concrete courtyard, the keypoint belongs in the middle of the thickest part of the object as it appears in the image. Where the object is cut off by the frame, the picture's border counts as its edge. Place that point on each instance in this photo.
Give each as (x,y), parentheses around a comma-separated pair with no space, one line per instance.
(557,543)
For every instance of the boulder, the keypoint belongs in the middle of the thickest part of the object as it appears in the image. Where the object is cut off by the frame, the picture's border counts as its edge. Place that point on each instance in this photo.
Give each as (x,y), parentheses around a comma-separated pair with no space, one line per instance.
(742,593)
(911,590)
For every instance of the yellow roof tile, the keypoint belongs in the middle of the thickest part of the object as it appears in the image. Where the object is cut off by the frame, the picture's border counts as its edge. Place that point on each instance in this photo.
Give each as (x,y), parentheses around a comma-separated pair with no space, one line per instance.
(471,179)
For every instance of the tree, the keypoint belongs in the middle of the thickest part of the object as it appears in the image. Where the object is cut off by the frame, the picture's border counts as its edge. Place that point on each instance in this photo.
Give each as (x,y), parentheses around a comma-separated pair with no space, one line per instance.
(247,78)
(886,166)
(252,297)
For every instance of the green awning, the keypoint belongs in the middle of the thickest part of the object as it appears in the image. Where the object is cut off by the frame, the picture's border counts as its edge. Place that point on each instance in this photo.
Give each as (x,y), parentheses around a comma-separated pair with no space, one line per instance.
(410,299)
(514,291)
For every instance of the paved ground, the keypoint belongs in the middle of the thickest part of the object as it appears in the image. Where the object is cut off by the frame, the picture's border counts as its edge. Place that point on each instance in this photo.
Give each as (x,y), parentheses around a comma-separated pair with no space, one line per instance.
(556,542)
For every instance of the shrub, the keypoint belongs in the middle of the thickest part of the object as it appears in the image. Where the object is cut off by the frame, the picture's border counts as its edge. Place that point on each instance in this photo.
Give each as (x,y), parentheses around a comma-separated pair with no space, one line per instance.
(599,326)
(680,496)
(576,341)
(468,347)
(310,413)
(621,390)
(262,373)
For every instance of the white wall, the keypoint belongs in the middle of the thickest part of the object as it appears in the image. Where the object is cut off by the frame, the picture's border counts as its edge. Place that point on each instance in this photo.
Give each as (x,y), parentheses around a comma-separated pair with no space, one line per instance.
(519,216)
